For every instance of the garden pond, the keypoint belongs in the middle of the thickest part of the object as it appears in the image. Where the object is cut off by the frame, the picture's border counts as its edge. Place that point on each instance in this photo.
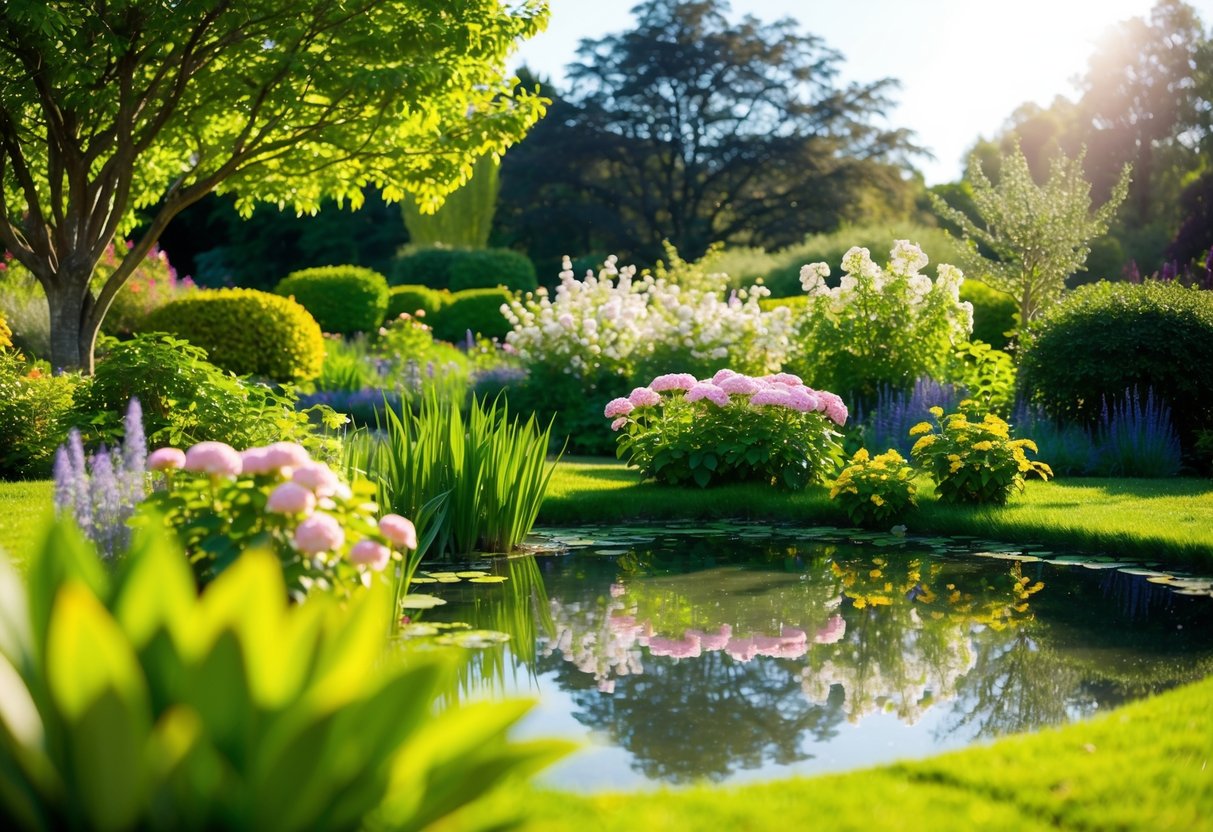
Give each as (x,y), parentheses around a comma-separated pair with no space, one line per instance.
(736,652)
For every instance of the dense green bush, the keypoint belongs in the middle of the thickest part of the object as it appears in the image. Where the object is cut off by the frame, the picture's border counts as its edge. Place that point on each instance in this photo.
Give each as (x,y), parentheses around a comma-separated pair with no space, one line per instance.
(460,269)
(489,268)
(412,298)
(185,399)
(425,267)
(474,310)
(342,299)
(1106,338)
(247,332)
(34,415)
(993,313)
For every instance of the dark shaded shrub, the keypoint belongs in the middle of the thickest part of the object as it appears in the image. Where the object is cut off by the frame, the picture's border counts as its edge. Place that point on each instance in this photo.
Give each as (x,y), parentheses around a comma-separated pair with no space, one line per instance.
(475,310)
(993,313)
(425,267)
(1106,338)
(247,332)
(412,298)
(489,268)
(342,299)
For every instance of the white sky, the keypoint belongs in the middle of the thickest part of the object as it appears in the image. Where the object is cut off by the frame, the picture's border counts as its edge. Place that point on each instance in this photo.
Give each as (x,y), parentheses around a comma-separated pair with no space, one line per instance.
(964,65)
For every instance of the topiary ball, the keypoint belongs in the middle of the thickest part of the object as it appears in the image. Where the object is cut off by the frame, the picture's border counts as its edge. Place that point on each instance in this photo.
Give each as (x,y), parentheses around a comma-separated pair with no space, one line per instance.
(1105,338)
(247,332)
(413,299)
(342,299)
(474,310)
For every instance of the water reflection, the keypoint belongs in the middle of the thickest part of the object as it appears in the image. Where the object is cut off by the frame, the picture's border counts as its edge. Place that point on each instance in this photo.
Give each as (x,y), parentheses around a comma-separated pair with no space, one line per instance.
(702,658)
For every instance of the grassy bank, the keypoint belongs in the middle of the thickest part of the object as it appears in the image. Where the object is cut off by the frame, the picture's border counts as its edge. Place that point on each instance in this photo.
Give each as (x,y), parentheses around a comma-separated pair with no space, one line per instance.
(1167,520)
(25,508)
(1148,766)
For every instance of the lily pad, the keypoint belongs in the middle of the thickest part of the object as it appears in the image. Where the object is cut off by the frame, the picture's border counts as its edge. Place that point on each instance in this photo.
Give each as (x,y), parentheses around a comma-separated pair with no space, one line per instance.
(420,601)
(488,579)
(421,579)
(473,639)
(418,630)
(475,573)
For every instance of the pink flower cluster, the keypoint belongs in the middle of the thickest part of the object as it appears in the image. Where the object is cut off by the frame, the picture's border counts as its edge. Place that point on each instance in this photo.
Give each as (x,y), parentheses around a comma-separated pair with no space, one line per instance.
(791,643)
(776,390)
(299,486)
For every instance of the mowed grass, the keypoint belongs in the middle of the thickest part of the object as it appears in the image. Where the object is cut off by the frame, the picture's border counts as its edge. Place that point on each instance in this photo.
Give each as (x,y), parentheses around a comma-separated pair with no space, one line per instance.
(25,509)
(1148,766)
(1168,520)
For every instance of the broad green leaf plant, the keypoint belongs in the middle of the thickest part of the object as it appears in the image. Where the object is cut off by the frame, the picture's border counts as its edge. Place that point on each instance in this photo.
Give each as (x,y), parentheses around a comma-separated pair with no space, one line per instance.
(129,702)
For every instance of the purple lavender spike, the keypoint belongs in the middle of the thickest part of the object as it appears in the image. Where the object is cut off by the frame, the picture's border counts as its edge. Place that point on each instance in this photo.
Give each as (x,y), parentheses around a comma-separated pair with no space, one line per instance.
(133,476)
(65,486)
(81,499)
(109,509)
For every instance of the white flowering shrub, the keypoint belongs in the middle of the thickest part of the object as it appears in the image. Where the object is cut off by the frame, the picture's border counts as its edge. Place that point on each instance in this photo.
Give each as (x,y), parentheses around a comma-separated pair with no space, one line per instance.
(619,324)
(878,327)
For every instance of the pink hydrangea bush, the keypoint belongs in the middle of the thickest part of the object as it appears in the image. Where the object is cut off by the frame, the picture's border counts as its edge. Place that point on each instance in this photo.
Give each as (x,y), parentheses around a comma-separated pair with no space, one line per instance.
(729,428)
(220,501)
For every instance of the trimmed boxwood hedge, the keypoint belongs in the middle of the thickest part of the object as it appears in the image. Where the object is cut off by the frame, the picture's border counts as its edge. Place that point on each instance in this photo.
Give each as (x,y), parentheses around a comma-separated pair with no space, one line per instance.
(460,269)
(1105,338)
(474,310)
(412,299)
(342,299)
(247,332)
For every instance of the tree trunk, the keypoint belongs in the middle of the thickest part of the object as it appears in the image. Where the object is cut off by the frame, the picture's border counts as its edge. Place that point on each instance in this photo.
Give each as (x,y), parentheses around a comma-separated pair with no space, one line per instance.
(72,337)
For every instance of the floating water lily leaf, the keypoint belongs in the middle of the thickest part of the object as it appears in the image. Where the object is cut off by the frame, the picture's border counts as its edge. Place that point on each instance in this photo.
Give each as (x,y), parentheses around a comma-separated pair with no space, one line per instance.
(1145,573)
(1099,565)
(488,579)
(473,639)
(472,573)
(418,630)
(441,574)
(448,580)
(611,552)
(418,601)
(1161,579)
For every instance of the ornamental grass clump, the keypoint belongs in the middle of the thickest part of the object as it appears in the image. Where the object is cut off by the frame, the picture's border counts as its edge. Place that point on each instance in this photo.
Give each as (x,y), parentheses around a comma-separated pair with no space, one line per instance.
(875,490)
(729,428)
(971,456)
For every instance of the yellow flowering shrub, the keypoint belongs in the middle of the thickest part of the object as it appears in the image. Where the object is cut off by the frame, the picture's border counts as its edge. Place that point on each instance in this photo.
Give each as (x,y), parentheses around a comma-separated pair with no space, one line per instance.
(874,490)
(972,457)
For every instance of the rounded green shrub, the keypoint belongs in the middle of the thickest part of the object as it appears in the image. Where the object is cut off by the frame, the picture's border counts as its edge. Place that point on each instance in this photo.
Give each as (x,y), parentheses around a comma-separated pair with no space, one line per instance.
(425,267)
(342,299)
(488,268)
(993,313)
(412,299)
(475,310)
(34,415)
(247,332)
(1105,338)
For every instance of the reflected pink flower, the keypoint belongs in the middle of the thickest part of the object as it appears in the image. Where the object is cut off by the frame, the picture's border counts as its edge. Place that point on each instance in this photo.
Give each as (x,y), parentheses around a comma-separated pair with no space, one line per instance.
(290,498)
(793,635)
(792,650)
(370,553)
(618,590)
(741,649)
(833,631)
(714,641)
(215,458)
(166,459)
(767,645)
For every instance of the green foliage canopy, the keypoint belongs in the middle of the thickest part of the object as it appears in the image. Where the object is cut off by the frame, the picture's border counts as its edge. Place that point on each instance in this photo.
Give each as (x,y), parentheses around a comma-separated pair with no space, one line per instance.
(107,110)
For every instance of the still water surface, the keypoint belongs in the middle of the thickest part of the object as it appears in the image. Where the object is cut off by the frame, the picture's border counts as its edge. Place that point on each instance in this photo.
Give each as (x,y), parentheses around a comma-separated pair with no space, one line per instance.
(733,653)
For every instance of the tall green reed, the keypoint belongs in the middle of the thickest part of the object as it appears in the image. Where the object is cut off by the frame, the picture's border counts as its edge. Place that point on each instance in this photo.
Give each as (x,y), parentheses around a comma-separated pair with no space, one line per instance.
(491,468)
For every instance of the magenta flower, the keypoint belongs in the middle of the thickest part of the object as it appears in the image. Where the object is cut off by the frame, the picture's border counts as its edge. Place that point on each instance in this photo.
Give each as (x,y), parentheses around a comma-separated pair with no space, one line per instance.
(771,396)
(619,423)
(291,498)
(784,378)
(673,381)
(618,407)
(166,459)
(319,533)
(215,458)
(644,397)
(835,410)
(803,400)
(318,477)
(398,530)
(372,554)
(721,375)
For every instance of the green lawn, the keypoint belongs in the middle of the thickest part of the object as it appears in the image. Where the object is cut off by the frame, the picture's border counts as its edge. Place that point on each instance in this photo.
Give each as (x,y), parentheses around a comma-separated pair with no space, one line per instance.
(25,508)
(1167,520)
(1148,766)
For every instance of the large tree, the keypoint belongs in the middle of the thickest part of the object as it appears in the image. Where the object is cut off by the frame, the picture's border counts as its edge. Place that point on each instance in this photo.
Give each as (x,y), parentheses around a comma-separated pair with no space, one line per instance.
(696,127)
(109,108)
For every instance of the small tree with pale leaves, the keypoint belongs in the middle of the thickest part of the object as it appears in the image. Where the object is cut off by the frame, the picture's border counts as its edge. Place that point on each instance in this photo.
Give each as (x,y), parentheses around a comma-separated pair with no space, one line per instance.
(1038,234)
